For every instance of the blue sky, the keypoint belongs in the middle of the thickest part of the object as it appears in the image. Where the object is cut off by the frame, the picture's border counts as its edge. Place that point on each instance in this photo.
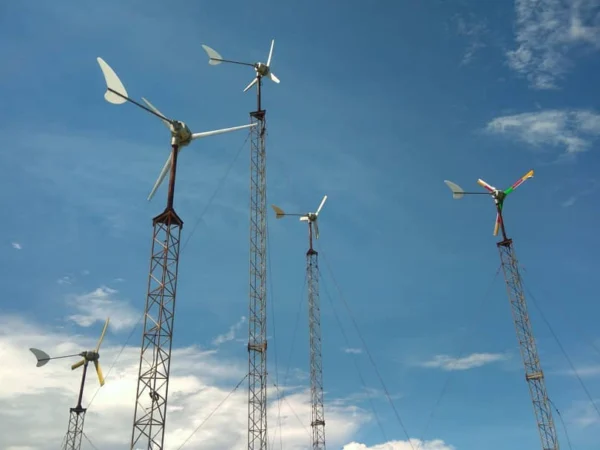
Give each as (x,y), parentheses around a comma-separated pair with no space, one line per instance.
(377,105)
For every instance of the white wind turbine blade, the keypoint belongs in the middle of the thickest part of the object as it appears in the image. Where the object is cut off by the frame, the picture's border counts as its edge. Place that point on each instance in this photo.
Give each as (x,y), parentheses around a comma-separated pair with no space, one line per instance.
(273,77)
(153,108)
(457,191)
(252,83)
(321,206)
(212,55)
(270,53)
(112,82)
(223,130)
(316,224)
(304,219)
(163,173)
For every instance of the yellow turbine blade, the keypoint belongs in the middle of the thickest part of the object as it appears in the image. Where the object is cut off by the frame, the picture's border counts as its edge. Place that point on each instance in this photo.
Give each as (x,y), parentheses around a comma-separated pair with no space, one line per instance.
(77,365)
(102,335)
(99,372)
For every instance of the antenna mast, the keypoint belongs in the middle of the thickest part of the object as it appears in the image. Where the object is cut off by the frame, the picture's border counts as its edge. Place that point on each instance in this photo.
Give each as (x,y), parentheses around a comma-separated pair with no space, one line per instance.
(257,317)
(516,296)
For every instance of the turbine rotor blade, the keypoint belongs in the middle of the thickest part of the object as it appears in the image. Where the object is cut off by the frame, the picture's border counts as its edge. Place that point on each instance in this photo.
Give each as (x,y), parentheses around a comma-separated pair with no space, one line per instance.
(278,212)
(78,364)
(315,223)
(41,356)
(489,187)
(519,182)
(223,130)
(213,55)
(163,173)
(162,117)
(273,77)
(321,205)
(252,83)
(99,372)
(113,84)
(270,53)
(457,191)
(102,334)
(497,224)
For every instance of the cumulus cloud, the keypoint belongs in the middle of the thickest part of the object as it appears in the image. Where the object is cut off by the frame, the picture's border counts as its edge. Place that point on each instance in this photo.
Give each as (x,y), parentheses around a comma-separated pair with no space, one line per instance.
(472,29)
(16,246)
(35,402)
(448,363)
(230,335)
(571,130)
(355,351)
(65,280)
(584,414)
(97,305)
(413,444)
(546,31)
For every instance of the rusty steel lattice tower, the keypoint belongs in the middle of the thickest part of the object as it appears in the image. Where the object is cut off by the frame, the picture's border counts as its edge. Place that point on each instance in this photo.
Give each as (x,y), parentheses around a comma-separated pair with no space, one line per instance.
(316,360)
(314,326)
(533,369)
(257,317)
(534,374)
(155,357)
(257,321)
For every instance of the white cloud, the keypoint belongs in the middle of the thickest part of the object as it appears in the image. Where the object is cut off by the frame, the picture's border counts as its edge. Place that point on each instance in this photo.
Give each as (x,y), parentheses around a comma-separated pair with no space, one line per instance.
(101,303)
(413,444)
(572,130)
(546,31)
(473,30)
(583,414)
(65,280)
(34,402)
(355,351)
(230,335)
(449,363)
(17,246)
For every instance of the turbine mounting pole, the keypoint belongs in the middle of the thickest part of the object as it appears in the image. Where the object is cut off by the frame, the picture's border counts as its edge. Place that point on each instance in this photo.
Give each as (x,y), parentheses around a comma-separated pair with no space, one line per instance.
(316,361)
(257,322)
(157,337)
(531,360)
(76,419)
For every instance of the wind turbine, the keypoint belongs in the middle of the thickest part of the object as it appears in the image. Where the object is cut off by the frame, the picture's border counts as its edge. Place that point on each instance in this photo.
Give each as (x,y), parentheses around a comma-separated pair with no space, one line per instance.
(181,135)
(314,325)
(261,69)
(498,195)
(77,414)
(310,217)
(257,308)
(155,354)
(516,297)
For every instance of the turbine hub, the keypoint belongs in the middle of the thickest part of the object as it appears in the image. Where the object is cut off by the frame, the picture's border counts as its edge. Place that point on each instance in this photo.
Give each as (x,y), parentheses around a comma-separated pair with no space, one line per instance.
(182,135)
(91,355)
(261,69)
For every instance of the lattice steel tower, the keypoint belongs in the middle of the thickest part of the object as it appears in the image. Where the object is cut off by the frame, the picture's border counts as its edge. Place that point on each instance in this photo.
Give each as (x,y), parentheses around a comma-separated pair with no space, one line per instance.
(157,337)
(314,327)
(257,317)
(534,374)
